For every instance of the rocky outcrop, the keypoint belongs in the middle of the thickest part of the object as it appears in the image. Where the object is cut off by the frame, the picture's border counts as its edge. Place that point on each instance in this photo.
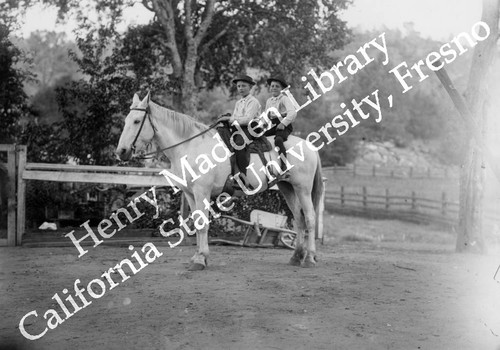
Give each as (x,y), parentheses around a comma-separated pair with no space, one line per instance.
(386,154)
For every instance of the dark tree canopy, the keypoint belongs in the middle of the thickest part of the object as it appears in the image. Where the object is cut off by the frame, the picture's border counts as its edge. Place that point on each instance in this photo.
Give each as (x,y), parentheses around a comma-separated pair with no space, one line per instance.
(188,48)
(202,44)
(13,99)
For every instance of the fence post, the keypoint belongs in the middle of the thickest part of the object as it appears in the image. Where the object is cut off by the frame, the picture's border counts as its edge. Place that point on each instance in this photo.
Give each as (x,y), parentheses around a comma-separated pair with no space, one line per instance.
(387,199)
(354,170)
(444,204)
(342,199)
(11,196)
(445,173)
(364,197)
(413,200)
(373,171)
(411,172)
(21,193)
(392,173)
(429,172)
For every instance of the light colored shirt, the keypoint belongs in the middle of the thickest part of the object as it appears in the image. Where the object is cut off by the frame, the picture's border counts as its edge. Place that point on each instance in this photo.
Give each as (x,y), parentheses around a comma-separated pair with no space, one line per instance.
(245,110)
(283,104)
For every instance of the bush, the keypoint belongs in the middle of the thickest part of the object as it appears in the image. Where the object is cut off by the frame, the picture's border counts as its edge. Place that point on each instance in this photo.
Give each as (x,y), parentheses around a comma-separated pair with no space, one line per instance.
(270,201)
(169,208)
(39,196)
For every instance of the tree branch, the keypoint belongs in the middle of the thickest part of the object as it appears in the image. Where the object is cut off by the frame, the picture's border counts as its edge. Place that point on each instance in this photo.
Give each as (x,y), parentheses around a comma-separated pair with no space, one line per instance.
(207,18)
(146,4)
(188,24)
(213,40)
(166,16)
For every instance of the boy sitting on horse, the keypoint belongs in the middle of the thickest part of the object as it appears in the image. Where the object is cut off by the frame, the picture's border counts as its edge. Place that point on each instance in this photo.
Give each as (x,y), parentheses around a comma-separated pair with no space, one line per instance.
(247,109)
(281,127)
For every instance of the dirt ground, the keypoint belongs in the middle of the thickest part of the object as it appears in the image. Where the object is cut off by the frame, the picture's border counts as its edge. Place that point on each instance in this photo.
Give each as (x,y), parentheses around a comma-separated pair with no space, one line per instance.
(371,293)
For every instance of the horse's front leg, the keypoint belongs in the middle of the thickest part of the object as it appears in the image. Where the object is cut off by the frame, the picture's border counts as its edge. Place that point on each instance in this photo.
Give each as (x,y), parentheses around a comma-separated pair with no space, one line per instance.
(201,218)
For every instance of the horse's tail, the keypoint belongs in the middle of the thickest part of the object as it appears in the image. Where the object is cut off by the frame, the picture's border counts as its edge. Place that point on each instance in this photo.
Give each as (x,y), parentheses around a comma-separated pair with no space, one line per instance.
(317,190)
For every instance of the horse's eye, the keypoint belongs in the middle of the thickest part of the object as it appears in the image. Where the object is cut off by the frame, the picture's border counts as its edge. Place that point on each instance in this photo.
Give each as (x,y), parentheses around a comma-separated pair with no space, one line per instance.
(137,121)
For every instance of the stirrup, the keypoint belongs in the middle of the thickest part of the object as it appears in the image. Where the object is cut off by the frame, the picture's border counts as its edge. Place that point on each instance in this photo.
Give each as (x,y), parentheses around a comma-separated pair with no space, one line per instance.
(280,177)
(243,178)
(285,176)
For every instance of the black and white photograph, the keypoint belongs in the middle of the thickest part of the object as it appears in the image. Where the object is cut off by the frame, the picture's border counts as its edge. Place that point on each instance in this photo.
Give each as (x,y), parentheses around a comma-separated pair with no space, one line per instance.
(249,174)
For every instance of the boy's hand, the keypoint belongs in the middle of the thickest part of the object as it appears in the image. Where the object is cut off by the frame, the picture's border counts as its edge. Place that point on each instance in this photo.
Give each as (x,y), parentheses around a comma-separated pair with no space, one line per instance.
(224,117)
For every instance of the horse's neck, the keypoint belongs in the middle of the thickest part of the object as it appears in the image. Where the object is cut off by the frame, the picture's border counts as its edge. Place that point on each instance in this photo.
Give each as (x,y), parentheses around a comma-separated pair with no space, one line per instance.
(173,130)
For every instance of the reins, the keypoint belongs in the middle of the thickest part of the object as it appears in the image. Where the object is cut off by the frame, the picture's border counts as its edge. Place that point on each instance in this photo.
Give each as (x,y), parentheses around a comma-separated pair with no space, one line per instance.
(148,114)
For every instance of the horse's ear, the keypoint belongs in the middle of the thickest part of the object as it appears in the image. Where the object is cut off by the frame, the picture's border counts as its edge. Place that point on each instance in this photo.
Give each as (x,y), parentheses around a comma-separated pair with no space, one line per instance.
(146,99)
(136,99)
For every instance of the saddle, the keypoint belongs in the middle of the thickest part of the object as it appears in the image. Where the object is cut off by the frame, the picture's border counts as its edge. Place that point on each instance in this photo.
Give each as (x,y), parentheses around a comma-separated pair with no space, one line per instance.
(259,146)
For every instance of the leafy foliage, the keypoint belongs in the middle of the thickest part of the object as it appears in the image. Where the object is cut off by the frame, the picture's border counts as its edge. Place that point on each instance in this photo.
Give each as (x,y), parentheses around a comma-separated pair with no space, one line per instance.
(270,201)
(13,99)
(50,61)
(44,143)
(40,194)
(169,203)
(203,44)
(272,36)
(92,108)
(425,112)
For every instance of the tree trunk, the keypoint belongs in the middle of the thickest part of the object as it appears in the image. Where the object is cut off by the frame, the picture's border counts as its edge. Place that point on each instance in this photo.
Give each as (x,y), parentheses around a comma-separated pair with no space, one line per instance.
(188,86)
(470,236)
(185,99)
(184,67)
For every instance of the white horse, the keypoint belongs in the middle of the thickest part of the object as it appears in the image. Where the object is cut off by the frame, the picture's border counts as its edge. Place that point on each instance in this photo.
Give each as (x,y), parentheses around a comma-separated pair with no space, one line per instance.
(150,124)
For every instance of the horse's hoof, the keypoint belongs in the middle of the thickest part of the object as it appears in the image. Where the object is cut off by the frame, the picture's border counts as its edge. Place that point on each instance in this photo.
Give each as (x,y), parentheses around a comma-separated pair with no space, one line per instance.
(308,264)
(309,261)
(294,261)
(196,267)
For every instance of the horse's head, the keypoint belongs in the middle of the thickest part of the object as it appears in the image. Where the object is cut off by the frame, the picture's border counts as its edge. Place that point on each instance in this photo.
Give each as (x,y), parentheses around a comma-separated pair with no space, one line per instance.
(138,130)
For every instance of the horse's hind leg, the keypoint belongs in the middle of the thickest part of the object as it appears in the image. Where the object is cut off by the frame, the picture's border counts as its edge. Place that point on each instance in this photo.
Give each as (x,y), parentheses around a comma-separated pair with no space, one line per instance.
(306,203)
(299,223)
(300,253)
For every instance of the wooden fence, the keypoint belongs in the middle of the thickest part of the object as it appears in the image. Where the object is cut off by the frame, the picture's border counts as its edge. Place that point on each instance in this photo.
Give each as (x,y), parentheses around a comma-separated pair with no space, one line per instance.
(394,172)
(21,171)
(412,207)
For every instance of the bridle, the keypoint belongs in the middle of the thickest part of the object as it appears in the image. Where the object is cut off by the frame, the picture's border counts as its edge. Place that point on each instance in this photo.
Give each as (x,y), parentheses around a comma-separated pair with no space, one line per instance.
(147,113)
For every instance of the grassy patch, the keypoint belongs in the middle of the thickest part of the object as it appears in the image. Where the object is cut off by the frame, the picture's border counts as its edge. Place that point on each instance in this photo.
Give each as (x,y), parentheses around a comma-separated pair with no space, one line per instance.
(338,228)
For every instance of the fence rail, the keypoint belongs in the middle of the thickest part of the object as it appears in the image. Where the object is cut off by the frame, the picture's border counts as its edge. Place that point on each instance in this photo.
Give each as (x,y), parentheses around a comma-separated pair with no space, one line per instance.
(405,207)
(93,174)
(394,172)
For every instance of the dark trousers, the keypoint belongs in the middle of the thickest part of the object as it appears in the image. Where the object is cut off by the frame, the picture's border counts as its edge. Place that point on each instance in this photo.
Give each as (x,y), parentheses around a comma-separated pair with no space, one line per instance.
(280,135)
(242,156)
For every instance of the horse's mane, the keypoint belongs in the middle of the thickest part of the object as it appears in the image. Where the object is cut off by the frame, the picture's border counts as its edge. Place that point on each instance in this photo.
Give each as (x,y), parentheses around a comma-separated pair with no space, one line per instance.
(183,124)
